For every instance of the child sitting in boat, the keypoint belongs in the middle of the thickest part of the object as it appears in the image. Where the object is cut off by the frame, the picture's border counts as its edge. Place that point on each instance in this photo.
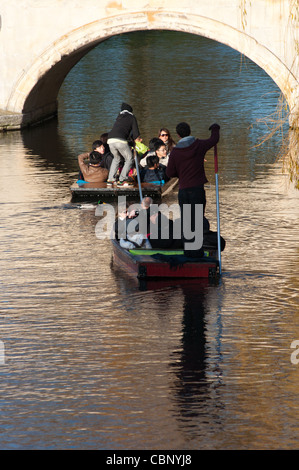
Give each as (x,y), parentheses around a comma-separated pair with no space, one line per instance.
(154,172)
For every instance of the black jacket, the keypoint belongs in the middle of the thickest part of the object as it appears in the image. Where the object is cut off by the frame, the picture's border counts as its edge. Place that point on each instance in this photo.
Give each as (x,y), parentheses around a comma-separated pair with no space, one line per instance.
(125,127)
(149,175)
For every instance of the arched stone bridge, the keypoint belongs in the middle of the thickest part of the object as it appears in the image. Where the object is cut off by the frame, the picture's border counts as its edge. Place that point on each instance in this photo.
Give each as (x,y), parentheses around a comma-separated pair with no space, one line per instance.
(42,40)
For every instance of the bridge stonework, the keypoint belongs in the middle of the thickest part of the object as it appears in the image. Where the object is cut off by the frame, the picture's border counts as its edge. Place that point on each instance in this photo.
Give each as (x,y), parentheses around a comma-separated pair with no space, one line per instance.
(40,41)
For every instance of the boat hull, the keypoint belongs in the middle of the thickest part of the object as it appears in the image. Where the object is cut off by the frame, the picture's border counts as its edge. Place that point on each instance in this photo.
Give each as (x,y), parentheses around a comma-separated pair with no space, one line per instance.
(145,266)
(93,192)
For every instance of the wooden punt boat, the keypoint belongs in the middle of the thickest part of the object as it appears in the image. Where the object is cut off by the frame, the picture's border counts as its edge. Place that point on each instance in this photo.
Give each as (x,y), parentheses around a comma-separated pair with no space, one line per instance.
(93,192)
(147,264)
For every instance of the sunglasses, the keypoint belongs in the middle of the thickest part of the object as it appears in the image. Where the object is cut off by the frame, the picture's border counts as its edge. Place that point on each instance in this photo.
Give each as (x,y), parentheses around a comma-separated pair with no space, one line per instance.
(164,135)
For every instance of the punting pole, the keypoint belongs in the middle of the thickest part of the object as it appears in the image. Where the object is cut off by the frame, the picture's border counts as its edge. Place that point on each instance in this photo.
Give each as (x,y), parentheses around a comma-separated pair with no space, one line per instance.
(138,175)
(217,206)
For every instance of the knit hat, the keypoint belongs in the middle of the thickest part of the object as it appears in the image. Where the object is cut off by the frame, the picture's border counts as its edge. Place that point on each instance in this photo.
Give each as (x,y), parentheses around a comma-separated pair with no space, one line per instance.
(126,107)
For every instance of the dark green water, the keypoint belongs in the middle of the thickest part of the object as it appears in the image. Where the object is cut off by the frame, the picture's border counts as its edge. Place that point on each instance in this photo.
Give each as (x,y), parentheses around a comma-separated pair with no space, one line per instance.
(93,360)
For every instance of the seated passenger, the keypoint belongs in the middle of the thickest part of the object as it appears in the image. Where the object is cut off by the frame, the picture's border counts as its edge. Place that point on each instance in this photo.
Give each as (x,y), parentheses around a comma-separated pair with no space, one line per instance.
(104,138)
(154,172)
(160,229)
(103,148)
(126,235)
(161,152)
(92,170)
(106,156)
(151,150)
(210,238)
(165,136)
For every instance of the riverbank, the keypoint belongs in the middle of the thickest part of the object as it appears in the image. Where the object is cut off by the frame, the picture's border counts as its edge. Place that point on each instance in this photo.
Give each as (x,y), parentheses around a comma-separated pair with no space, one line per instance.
(10,121)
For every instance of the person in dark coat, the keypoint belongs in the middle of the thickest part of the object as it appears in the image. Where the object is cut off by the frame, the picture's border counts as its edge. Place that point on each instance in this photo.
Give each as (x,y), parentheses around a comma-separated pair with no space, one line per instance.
(186,162)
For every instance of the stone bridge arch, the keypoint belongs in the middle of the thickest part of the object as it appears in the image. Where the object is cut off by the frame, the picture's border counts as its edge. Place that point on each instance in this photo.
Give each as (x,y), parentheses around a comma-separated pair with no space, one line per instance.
(33,96)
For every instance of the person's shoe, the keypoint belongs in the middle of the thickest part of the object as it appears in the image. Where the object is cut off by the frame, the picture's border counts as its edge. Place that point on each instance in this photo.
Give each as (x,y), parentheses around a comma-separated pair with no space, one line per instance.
(124,184)
(110,182)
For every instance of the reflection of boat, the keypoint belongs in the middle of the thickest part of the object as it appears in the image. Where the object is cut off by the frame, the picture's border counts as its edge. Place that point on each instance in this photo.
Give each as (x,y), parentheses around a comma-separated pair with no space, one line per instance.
(96,191)
(146,264)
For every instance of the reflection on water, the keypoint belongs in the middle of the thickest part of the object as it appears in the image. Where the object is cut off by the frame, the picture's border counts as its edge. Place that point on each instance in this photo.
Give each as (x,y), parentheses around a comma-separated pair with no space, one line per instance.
(97,360)
(189,362)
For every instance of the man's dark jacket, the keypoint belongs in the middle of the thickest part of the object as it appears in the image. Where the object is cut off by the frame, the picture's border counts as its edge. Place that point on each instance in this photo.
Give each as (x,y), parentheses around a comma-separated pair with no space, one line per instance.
(187,163)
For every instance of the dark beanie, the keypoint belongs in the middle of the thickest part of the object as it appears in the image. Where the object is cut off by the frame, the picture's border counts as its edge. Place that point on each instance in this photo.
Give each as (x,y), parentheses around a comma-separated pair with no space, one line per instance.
(126,107)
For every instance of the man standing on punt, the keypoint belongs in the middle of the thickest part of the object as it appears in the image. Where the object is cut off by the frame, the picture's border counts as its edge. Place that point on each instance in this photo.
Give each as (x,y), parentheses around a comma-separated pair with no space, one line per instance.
(186,162)
(124,128)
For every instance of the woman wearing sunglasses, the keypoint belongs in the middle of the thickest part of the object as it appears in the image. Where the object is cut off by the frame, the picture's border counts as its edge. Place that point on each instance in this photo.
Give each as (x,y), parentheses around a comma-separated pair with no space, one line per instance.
(165,136)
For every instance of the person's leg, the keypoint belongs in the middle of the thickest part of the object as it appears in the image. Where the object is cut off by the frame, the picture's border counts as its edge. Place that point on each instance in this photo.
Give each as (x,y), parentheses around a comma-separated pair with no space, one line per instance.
(115,161)
(126,152)
(189,199)
(183,200)
(196,196)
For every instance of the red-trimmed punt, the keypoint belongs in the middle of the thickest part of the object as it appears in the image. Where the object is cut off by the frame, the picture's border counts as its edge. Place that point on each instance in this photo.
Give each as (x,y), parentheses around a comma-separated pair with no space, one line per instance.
(145,264)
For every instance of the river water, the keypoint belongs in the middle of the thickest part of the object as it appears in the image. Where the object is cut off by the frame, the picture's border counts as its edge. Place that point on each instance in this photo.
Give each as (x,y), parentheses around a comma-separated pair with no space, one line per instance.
(91,359)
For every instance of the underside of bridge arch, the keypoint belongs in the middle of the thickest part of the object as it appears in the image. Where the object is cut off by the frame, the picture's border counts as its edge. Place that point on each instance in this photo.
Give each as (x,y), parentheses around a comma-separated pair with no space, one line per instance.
(35,96)
(41,102)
